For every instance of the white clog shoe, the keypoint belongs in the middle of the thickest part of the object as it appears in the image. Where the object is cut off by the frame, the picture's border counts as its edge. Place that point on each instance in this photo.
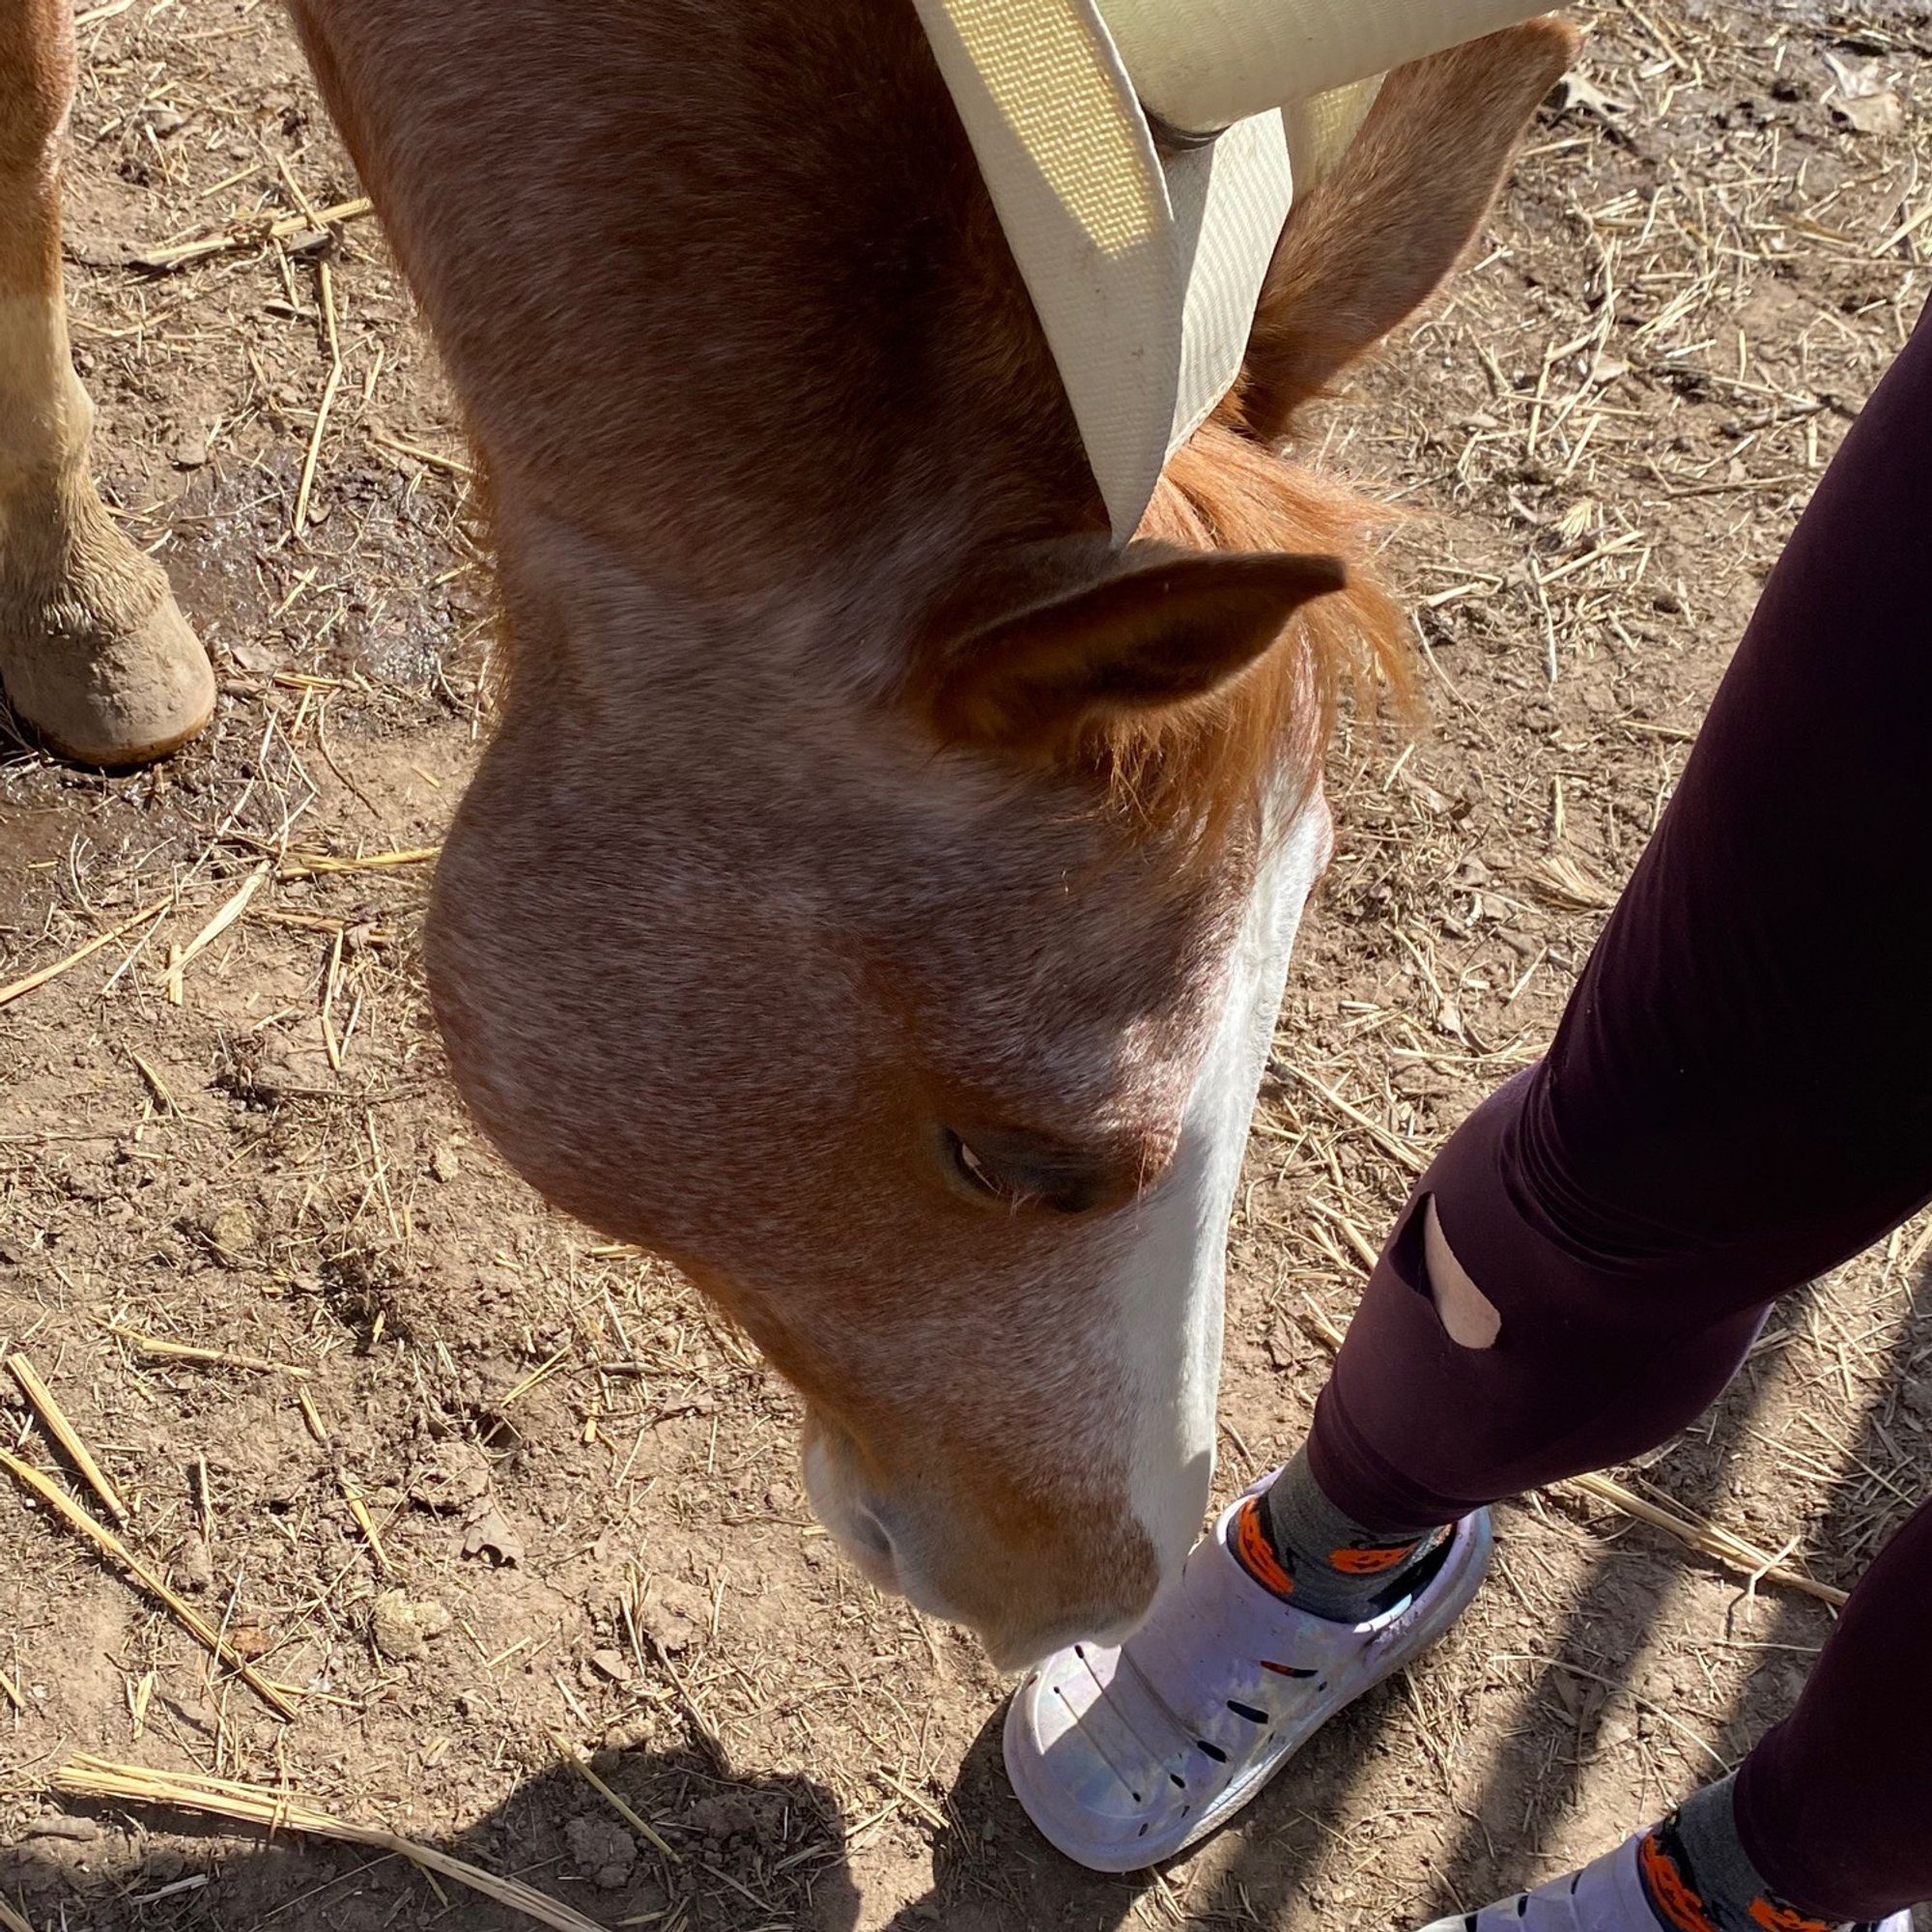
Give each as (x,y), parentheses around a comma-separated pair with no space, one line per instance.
(1125,1756)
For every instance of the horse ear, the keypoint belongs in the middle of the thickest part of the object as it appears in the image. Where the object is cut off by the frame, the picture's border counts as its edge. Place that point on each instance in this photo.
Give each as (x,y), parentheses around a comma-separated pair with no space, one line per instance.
(1369,243)
(1143,640)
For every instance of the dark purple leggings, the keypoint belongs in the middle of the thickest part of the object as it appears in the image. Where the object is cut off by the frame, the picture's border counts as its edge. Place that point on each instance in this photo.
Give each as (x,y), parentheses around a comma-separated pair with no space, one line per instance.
(1739,1098)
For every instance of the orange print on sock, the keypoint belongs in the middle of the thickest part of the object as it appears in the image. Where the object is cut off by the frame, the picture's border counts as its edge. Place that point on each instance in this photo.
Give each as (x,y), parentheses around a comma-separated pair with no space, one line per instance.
(1775,1916)
(1669,1891)
(1256,1552)
(1373,1560)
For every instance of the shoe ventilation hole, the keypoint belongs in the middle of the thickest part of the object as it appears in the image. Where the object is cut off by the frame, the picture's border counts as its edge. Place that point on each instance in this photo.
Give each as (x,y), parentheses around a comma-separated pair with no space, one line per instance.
(1522,1903)
(1469,1922)
(1575,1882)
(1283,1669)
(1211,1750)
(1248,1711)
(1143,1831)
(1174,1778)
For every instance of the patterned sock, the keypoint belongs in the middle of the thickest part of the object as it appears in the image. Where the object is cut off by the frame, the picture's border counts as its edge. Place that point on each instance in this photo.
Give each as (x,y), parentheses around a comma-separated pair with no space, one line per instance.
(1293,1541)
(1699,1878)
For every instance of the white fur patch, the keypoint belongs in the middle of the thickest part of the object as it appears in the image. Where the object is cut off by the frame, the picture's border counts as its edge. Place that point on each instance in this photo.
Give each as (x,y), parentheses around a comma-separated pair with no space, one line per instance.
(1167,1301)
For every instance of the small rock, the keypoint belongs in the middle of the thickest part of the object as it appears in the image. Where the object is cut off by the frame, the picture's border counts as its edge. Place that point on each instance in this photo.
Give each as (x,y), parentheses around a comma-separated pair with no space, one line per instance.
(755,1815)
(190,450)
(402,1625)
(248,1638)
(1861,97)
(490,1535)
(1881,113)
(231,1228)
(604,1851)
(612,1665)
(676,1613)
(1613,1733)
(98,251)
(1419,1080)
(293,1061)
(1427,797)
(446,1163)
(258,658)
(191,1568)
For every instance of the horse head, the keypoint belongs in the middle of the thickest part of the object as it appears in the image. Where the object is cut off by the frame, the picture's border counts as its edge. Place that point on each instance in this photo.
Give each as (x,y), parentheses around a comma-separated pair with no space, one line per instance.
(876,892)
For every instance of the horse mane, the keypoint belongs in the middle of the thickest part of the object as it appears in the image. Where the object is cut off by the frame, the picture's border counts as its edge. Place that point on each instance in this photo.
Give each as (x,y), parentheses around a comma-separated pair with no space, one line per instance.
(1195,772)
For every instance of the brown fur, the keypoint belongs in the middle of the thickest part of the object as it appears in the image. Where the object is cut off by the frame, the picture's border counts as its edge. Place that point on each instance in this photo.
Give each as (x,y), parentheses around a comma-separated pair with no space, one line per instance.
(730,945)
(718,940)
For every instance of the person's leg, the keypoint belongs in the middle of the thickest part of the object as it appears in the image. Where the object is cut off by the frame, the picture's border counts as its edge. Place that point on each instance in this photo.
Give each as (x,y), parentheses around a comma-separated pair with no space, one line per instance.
(1835,1805)
(1740,1097)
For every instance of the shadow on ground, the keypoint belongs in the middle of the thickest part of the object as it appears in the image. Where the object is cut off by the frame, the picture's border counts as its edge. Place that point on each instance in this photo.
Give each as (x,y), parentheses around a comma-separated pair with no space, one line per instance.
(769,1851)
(749,1852)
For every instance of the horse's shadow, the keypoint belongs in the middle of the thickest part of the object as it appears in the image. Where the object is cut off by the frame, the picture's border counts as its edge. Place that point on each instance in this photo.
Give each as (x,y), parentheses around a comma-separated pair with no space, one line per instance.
(759,1851)
(117,1868)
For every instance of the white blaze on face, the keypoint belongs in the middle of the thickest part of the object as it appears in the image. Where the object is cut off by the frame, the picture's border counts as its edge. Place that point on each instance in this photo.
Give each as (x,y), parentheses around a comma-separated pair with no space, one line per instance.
(1168,1294)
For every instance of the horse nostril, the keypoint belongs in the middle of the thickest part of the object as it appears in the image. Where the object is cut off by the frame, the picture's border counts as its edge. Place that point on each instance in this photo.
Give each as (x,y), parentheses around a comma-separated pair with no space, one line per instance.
(870,1531)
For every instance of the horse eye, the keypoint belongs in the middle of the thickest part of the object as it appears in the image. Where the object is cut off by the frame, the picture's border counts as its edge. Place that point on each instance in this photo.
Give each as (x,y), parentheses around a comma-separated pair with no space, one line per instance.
(974,1171)
(1022,1176)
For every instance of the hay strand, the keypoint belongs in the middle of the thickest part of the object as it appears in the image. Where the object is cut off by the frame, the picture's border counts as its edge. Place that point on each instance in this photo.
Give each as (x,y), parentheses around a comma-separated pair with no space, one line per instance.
(86,1777)
(187,1351)
(109,1545)
(1720,1545)
(54,1420)
(307,864)
(575,1759)
(16,988)
(225,916)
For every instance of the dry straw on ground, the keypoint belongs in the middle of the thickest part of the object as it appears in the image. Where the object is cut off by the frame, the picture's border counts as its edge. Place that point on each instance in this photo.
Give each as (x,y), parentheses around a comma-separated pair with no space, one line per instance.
(104,1539)
(278,1812)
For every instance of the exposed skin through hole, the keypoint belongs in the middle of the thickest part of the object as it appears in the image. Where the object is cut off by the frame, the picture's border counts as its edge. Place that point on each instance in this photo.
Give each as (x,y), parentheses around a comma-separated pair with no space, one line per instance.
(1468,1317)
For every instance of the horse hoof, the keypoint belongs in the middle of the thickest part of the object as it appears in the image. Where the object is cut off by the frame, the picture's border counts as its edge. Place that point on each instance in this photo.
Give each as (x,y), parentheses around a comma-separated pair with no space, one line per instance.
(118,685)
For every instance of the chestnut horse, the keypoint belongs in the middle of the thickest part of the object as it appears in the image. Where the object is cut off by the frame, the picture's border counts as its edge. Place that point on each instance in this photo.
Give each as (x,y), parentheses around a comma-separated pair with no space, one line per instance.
(877,895)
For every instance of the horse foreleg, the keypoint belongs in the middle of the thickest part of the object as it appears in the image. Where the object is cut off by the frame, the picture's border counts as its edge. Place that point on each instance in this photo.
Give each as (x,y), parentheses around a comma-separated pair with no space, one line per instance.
(93,653)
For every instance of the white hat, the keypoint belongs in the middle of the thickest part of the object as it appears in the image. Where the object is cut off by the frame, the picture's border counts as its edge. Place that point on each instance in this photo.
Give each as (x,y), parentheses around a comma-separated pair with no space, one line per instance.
(1145,258)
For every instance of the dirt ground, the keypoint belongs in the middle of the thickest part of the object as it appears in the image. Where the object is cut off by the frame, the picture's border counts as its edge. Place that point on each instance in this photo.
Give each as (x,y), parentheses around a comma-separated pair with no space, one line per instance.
(583,1487)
